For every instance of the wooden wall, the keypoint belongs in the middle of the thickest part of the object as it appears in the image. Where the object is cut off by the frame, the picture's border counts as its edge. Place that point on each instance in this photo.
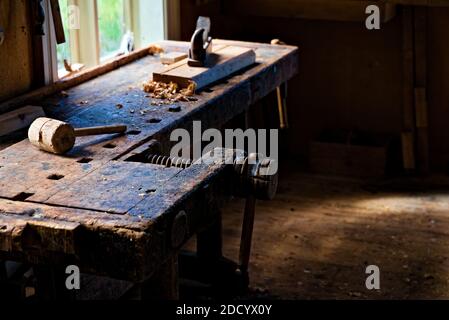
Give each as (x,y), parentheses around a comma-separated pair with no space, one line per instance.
(15,53)
(349,77)
(438,82)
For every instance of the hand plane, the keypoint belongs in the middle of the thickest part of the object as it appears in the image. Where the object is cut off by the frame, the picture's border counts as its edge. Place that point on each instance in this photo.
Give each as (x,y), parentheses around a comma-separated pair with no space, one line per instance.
(201,43)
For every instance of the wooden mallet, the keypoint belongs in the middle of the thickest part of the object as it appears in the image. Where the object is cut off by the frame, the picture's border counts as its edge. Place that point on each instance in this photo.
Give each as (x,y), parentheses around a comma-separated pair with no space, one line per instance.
(59,137)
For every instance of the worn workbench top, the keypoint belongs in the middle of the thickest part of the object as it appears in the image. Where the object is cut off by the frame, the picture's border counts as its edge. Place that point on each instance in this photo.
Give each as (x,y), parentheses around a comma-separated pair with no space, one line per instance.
(91,204)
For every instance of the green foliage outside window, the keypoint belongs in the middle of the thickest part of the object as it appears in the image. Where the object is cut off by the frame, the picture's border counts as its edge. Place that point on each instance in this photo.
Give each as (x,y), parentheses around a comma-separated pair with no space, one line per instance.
(111,24)
(63,50)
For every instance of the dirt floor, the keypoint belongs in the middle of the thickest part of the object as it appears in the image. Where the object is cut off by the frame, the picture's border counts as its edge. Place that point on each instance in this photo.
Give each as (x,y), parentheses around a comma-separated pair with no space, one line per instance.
(316,238)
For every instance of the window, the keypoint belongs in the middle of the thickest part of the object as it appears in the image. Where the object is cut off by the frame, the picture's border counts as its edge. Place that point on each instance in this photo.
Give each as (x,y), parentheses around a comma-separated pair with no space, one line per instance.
(63,50)
(111,26)
(99,30)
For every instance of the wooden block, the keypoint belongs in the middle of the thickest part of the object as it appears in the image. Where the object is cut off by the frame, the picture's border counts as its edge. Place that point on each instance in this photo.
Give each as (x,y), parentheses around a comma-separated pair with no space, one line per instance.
(224,61)
(19,119)
(173,57)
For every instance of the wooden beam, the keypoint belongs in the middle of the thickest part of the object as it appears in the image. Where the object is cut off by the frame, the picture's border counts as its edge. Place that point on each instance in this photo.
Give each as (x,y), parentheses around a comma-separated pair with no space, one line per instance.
(57,21)
(173,20)
(408,112)
(420,25)
(38,49)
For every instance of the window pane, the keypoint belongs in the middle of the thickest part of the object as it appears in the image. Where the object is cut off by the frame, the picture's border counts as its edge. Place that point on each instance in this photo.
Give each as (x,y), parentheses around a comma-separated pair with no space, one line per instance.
(111,24)
(63,50)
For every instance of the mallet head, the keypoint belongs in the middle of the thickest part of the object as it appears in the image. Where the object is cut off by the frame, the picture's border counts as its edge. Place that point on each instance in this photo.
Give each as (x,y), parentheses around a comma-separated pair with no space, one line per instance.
(52,135)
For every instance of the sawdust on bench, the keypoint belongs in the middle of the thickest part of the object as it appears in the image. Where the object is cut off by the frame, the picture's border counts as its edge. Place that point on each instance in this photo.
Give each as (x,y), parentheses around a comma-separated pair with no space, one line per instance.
(169,91)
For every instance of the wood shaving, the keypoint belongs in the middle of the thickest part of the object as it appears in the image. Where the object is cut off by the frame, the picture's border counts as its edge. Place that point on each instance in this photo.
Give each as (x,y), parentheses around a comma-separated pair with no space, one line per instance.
(169,91)
(67,66)
(155,49)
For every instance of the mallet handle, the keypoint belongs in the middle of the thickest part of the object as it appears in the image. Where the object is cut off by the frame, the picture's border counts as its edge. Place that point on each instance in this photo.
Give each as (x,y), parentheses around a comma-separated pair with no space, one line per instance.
(93,131)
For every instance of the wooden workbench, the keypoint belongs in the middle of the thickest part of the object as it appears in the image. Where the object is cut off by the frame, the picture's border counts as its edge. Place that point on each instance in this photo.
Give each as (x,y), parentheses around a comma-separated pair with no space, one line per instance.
(101,207)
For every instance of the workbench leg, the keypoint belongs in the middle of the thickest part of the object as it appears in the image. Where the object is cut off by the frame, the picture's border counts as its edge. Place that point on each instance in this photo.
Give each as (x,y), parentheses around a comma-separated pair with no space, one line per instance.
(163,285)
(2,270)
(50,284)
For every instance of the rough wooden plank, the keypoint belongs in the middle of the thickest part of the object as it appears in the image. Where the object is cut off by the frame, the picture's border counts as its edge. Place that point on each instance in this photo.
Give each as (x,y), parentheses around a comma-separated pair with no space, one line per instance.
(176,190)
(40,179)
(19,119)
(16,51)
(115,188)
(173,57)
(223,62)
(20,233)
(71,82)
(43,234)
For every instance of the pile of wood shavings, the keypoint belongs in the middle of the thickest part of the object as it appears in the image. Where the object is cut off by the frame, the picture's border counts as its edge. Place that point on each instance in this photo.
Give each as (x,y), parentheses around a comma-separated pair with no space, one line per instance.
(169,91)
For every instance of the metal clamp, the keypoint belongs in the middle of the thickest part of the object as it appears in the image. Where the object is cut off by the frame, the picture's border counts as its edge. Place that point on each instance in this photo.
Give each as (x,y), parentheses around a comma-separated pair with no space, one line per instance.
(258,175)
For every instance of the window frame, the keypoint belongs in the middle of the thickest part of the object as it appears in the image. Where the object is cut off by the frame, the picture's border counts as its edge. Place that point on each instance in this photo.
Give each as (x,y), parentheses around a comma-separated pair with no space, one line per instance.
(85,43)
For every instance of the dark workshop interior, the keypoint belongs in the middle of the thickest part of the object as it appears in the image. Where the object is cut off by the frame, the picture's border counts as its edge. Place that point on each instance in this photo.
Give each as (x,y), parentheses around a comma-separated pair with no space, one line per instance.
(94,206)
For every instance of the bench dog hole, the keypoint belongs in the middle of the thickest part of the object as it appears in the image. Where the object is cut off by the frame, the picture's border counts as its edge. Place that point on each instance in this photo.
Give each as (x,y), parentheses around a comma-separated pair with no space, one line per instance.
(134,132)
(154,120)
(22,196)
(85,160)
(55,177)
(109,146)
(148,191)
(175,109)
